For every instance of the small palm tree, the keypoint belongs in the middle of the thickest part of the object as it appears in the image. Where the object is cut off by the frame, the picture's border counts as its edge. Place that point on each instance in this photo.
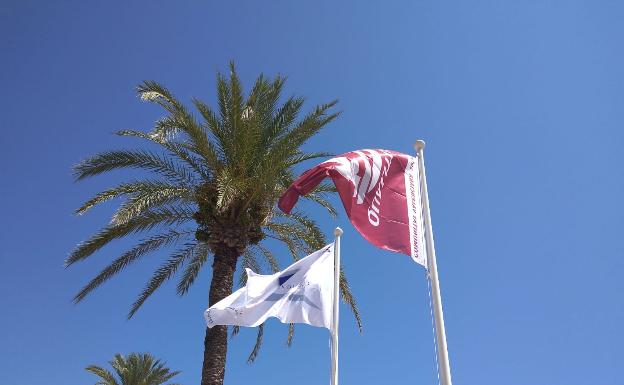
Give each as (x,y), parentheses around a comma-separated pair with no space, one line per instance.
(212,192)
(136,369)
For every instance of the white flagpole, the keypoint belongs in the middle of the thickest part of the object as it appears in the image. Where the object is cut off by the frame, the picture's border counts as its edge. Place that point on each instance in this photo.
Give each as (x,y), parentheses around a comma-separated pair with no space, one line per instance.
(444,368)
(334,331)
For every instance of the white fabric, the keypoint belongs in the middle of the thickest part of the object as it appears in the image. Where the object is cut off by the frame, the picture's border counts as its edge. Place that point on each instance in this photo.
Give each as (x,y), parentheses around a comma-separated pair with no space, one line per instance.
(301,293)
(414,212)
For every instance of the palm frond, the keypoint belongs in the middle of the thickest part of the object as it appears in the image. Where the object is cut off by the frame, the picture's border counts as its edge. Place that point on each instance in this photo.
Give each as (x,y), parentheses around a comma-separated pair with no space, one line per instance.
(154,92)
(288,241)
(302,157)
(320,199)
(145,222)
(291,335)
(107,378)
(236,99)
(193,268)
(162,274)
(120,366)
(249,262)
(311,124)
(154,188)
(256,348)
(229,188)
(163,196)
(269,257)
(161,136)
(288,144)
(349,299)
(184,121)
(284,118)
(223,98)
(145,247)
(214,126)
(302,231)
(165,129)
(324,188)
(140,159)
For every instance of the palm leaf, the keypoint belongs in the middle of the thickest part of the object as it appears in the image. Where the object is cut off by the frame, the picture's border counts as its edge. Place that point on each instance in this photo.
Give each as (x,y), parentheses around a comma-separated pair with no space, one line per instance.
(256,348)
(291,335)
(135,369)
(161,137)
(138,203)
(269,257)
(146,221)
(319,199)
(145,247)
(154,188)
(192,269)
(107,378)
(349,299)
(162,274)
(154,92)
(249,262)
(140,159)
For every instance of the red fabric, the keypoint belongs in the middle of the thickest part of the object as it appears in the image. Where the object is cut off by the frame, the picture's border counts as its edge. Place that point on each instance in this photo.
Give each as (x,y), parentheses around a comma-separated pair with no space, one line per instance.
(374,187)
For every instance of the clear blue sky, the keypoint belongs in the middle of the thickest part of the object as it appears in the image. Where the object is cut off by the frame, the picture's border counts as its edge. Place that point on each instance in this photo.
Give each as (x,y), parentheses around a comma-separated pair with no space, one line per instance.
(521,104)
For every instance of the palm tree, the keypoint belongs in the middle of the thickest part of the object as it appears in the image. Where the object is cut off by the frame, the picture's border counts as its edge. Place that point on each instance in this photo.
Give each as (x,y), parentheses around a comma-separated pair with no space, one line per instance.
(211,195)
(137,369)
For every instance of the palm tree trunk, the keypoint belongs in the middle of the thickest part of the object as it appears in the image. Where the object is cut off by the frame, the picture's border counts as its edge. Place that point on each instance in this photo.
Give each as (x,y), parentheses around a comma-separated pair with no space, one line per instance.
(215,342)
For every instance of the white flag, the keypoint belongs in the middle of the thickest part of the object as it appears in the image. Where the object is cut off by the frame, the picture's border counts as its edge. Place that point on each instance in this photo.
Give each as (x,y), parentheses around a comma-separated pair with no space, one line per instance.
(301,293)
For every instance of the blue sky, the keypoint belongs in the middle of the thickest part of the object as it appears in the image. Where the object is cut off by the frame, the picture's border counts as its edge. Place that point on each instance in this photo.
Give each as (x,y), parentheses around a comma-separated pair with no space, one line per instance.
(520,102)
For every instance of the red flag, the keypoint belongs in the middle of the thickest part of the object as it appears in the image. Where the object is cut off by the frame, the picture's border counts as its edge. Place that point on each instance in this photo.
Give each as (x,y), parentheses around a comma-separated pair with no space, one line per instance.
(380,191)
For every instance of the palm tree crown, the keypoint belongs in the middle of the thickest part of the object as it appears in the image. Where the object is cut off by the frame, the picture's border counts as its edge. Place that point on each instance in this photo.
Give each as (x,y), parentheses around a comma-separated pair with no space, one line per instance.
(210,188)
(136,369)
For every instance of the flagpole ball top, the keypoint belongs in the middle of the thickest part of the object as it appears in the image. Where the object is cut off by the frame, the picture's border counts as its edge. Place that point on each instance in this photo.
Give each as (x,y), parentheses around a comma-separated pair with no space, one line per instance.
(419,145)
(337,231)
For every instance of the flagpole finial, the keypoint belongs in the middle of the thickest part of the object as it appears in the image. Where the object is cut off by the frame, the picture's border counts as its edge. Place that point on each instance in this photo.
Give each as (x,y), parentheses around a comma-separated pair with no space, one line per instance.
(419,145)
(337,231)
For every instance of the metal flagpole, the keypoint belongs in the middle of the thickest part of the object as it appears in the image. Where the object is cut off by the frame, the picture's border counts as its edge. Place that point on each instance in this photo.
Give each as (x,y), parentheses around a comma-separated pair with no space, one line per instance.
(444,368)
(334,331)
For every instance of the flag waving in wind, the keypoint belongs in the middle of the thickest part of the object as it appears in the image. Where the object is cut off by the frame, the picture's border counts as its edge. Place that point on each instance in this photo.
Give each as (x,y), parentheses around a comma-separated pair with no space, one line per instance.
(301,293)
(380,191)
